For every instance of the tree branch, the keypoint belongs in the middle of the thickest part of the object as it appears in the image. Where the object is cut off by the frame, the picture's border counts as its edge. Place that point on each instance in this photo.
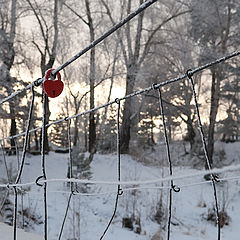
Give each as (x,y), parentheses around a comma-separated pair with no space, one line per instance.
(148,43)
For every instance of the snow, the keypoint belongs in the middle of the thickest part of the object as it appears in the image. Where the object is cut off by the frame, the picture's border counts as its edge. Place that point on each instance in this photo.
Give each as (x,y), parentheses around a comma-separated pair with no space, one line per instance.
(95,211)
(6,233)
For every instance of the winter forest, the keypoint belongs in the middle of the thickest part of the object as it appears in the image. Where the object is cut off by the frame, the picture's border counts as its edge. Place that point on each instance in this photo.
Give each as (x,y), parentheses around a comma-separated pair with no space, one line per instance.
(119,119)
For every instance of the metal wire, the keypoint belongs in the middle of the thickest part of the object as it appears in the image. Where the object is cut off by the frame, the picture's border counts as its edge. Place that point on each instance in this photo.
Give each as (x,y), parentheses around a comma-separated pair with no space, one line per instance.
(173,187)
(225,179)
(70,176)
(125,183)
(22,165)
(119,190)
(8,177)
(65,216)
(5,162)
(39,81)
(26,138)
(44,126)
(139,92)
(44,168)
(140,9)
(189,74)
(18,161)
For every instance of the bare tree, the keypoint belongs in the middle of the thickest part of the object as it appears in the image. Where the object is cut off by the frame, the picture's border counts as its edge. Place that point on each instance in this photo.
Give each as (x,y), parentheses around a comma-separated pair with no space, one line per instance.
(7,56)
(47,44)
(90,24)
(135,45)
(214,25)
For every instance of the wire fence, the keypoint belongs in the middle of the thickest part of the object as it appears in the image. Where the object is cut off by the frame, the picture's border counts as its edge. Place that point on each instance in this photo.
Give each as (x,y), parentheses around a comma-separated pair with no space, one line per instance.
(43,180)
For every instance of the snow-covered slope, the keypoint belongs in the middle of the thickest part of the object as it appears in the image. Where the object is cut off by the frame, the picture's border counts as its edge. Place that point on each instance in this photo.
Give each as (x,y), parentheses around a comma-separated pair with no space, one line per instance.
(6,233)
(89,215)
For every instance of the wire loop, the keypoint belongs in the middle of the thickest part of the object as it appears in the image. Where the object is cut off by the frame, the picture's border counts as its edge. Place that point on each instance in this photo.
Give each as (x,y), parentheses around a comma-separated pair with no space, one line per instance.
(155,86)
(204,145)
(120,192)
(176,188)
(117,100)
(37,179)
(216,178)
(189,73)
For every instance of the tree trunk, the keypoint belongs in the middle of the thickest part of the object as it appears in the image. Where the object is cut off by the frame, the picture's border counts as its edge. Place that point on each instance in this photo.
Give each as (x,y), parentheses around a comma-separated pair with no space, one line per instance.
(92,124)
(36,140)
(127,110)
(8,60)
(215,94)
(13,129)
(190,132)
(75,135)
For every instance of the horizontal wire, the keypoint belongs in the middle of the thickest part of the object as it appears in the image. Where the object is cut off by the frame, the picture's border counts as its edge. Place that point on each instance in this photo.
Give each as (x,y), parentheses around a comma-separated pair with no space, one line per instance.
(142,188)
(151,181)
(191,72)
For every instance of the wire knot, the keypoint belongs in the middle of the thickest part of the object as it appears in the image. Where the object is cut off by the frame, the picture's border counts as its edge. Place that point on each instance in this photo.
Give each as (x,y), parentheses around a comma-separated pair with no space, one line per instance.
(189,73)
(120,192)
(37,82)
(175,188)
(155,86)
(117,100)
(66,118)
(36,181)
(215,177)
(74,192)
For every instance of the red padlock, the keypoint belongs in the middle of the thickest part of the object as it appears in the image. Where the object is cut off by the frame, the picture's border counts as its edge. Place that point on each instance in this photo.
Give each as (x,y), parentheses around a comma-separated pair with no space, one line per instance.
(52,88)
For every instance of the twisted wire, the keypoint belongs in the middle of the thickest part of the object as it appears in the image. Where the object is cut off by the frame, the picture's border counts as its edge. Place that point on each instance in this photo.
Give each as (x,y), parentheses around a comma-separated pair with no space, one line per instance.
(213,178)
(119,190)
(126,183)
(225,179)
(43,142)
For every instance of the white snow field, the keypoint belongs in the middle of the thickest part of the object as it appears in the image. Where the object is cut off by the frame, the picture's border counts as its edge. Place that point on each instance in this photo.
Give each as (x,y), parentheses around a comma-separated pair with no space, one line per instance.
(89,215)
(6,233)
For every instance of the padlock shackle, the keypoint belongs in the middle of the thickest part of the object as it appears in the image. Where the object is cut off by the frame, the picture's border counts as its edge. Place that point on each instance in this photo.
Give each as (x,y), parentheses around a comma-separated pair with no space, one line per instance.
(48,75)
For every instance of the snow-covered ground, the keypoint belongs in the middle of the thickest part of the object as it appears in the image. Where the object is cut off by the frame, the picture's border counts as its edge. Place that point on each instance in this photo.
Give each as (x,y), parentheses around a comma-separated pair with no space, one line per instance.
(6,233)
(89,215)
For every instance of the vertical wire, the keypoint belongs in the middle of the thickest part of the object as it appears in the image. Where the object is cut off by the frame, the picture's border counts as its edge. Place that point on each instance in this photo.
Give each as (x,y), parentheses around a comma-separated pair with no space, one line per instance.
(18,178)
(213,178)
(18,160)
(70,153)
(65,216)
(5,162)
(8,175)
(119,190)
(26,139)
(70,176)
(43,166)
(4,199)
(17,154)
(173,187)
